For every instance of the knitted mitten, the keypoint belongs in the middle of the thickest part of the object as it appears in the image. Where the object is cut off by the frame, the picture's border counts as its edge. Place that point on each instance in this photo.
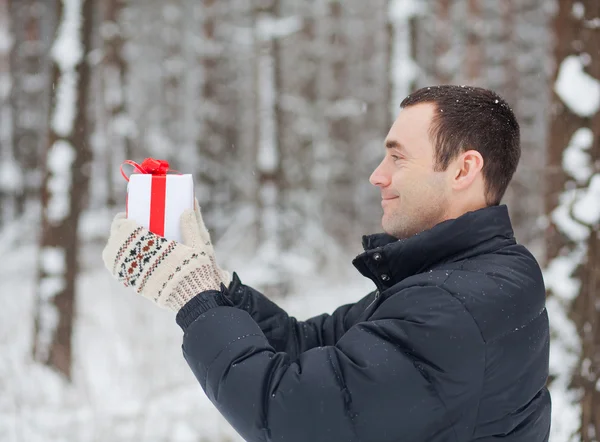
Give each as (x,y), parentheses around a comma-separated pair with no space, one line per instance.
(166,272)
(192,227)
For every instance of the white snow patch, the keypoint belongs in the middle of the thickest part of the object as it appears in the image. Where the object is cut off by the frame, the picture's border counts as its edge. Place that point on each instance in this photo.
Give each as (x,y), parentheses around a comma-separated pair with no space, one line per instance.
(109,30)
(403,70)
(124,126)
(586,59)
(344,108)
(576,88)
(267,152)
(593,23)
(576,158)
(113,91)
(50,286)
(587,207)
(558,276)
(11,175)
(67,52)
(561,216)
(269,27)
(93,224)
(60,159)
(267,157)
(6,40)
(578,10)
(566,346)
(47,318)
(576,207)
(158,143)
(53,260)
(566,402)
(404,10)
(171,13)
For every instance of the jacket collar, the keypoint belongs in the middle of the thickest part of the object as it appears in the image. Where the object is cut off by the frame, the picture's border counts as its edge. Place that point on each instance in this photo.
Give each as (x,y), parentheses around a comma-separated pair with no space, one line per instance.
(387,260)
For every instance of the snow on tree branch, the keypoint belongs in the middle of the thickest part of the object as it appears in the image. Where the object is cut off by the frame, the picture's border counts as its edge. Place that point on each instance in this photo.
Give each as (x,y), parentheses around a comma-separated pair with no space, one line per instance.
(578,90)
(53,265)
(60,160)
(67,53)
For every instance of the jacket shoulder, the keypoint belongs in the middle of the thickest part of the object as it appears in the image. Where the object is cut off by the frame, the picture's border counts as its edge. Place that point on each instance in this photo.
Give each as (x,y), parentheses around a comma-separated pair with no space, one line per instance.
(504,291)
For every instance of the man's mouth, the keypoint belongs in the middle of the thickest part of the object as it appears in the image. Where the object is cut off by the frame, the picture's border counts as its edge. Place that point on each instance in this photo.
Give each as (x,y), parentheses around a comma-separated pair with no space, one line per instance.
(386,200)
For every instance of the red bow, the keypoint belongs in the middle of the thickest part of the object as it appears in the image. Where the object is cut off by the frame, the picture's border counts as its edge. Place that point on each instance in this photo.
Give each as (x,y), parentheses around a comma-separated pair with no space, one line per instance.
(149,166)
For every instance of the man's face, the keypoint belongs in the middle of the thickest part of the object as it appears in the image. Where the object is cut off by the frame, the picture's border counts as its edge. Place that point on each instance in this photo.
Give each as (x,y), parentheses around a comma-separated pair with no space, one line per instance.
(414,196)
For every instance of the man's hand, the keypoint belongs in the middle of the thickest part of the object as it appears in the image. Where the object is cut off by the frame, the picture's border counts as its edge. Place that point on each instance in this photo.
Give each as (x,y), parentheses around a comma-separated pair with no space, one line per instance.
(167,272)
(194,230)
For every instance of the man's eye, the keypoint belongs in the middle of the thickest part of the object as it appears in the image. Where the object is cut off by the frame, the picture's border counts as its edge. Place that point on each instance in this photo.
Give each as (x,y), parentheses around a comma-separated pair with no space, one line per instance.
(395,157)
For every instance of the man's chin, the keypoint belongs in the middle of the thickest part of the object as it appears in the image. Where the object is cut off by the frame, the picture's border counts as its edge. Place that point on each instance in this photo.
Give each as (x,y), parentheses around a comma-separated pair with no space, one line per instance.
(396,230)
(391,229)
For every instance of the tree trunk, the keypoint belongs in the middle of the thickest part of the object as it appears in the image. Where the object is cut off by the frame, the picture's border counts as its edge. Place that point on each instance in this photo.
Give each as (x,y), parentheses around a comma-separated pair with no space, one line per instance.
(270,139)
(573,235)
(174,68)
(10,184)
(341,111)
(66,180)
(216,114)
(32,24)
(528,86)
(119,127)
(375,87)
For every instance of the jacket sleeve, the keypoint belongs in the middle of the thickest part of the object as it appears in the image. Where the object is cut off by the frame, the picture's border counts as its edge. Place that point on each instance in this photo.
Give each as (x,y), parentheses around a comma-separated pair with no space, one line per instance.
(406,376)
(284,332)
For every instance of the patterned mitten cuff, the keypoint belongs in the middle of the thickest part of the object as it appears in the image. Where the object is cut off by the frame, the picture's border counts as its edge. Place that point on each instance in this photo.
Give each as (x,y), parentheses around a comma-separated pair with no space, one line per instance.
(167,272)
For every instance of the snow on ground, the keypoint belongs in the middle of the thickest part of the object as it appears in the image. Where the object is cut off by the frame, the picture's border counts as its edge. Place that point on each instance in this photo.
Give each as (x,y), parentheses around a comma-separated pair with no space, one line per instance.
(131,382)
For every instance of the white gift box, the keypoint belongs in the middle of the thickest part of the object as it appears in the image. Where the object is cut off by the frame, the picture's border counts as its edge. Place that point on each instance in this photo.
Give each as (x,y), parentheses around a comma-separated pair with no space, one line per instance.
(158,201)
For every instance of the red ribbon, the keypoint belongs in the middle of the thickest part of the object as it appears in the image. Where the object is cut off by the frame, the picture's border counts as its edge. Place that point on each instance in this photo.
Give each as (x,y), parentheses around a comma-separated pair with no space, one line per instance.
(158,169)
(150,166)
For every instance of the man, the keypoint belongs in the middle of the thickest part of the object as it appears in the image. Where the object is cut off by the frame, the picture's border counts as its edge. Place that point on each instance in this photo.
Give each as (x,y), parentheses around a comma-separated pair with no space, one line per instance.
(452,346)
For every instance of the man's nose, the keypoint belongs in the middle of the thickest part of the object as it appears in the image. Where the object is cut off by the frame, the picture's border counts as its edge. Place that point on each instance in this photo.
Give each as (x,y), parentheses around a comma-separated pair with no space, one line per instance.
(379,177)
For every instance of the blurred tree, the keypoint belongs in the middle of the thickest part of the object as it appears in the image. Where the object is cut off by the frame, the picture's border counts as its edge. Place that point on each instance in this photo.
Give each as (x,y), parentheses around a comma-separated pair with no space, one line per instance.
(9,172)
(287,133)
(119,126)
(357,89)
(173,76)
(271,136)
(225,116)
(527,65)
(216,114)
(374,76)
(32,24)
(66,178)
(341,82)
(440,41)
(144,51)
(573,235)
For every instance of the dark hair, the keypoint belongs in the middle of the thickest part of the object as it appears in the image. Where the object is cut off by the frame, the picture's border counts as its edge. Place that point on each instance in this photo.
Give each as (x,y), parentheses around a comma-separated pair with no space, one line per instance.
(473,118)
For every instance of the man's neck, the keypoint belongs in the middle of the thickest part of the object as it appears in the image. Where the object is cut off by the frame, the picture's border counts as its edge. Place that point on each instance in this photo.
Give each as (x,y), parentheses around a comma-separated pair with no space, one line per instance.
(458,208)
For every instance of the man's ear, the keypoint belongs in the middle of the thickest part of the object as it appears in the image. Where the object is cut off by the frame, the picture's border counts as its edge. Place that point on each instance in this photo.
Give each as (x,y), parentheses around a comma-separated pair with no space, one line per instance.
(467,168)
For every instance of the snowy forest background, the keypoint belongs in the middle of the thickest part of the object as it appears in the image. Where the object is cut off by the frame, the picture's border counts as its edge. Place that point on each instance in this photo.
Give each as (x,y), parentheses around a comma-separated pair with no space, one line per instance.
(279,109)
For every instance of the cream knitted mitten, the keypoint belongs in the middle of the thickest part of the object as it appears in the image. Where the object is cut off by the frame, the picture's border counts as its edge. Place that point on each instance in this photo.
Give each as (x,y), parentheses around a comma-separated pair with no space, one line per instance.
(166,272)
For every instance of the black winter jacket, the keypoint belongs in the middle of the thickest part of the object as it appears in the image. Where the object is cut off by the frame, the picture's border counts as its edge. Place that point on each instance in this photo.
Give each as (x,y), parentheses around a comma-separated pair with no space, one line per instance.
(452,346)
